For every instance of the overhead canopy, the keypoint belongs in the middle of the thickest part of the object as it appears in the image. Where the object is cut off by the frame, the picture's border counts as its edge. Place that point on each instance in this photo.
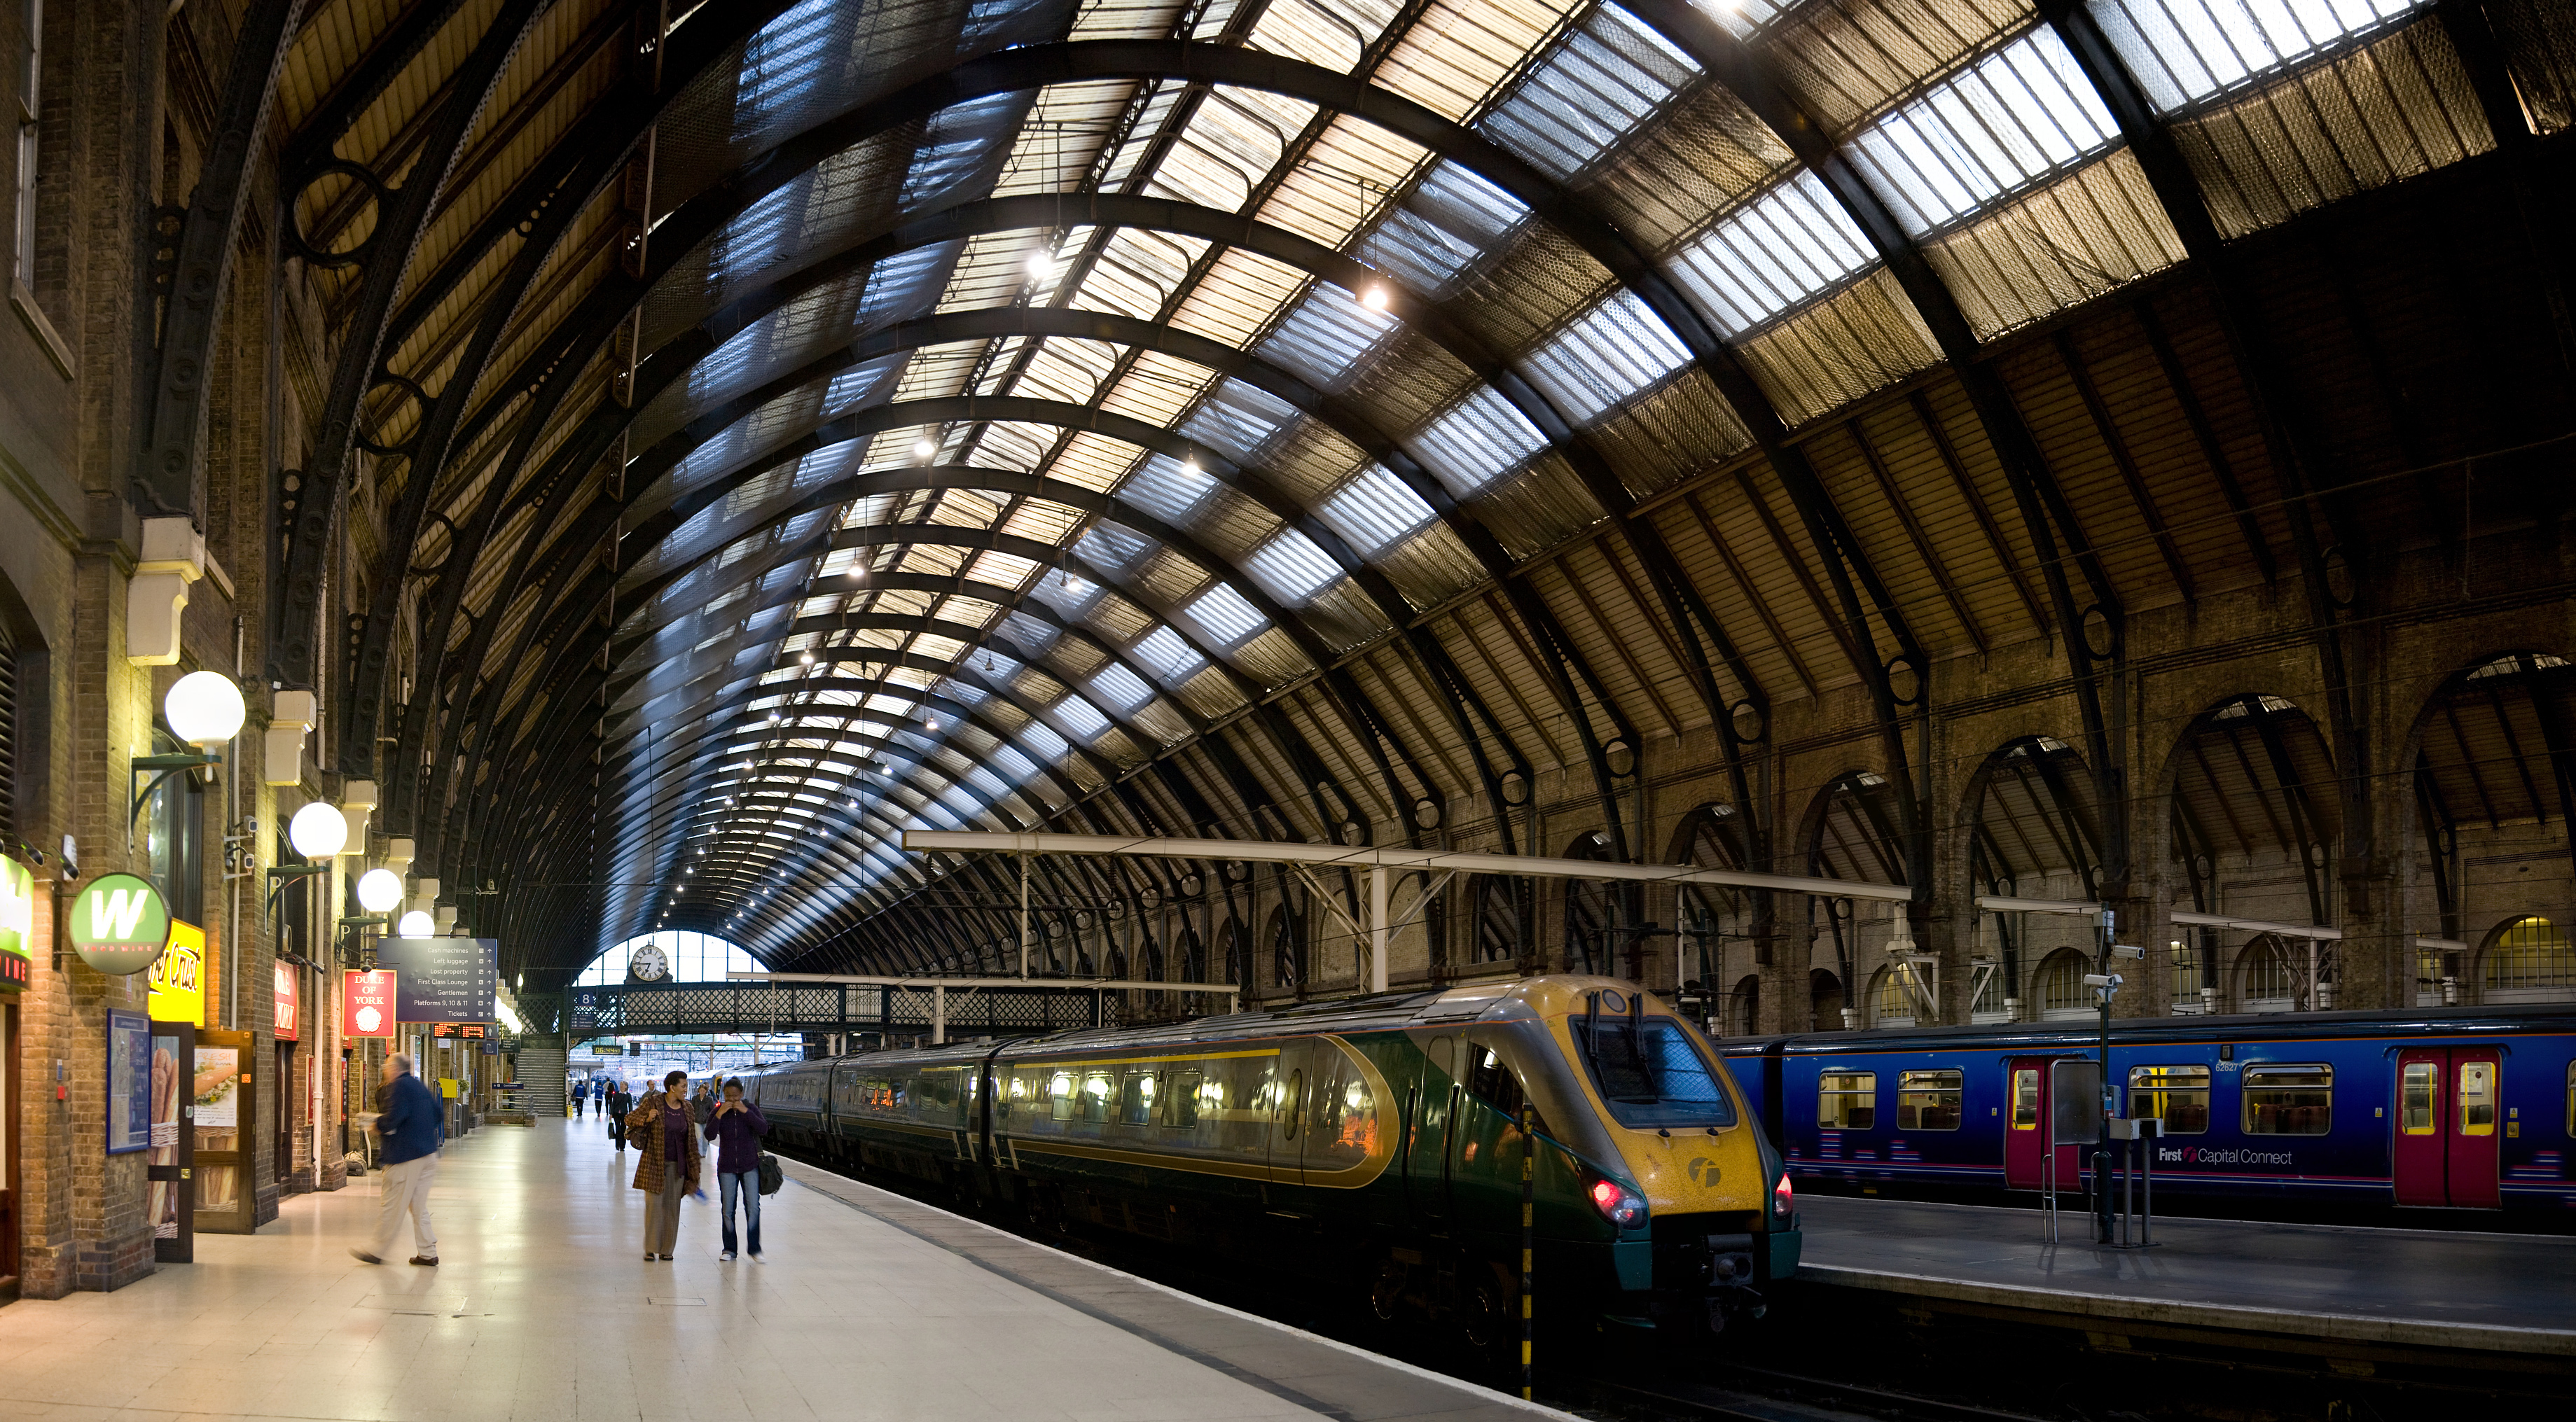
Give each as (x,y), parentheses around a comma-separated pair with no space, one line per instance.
(1289,420)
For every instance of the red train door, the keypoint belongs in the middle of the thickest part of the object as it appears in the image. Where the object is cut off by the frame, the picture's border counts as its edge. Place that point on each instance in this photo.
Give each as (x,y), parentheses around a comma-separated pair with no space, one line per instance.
(2025,1121)
(2444,1150)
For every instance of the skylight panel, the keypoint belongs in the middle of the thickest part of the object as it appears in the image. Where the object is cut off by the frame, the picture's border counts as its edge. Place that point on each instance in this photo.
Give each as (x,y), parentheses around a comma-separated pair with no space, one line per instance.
(1227,616)
(1605,80)
(962,150)
(860,384)
(1239,419)
(1605,358)
(1453,221)
(1374,510)
(1112,545)
(1013,764)
(1122,690)
(1167,488)
(1332,33)
(783,61)
(1773,255)
(906,284)
(1080,717)
(1328,336)
(1479,440)
(1070,594)
(761,231)
(2187,51)
(2008,121)
(1165,653)
(1291,568)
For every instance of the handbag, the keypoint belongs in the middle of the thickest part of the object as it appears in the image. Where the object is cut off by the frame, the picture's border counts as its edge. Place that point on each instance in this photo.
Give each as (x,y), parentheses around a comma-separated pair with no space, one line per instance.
(771,1176)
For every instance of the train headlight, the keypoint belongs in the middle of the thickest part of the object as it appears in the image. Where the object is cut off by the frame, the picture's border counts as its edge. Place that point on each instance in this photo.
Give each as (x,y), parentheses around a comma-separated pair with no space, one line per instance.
(1784,1201)
(1618,1204)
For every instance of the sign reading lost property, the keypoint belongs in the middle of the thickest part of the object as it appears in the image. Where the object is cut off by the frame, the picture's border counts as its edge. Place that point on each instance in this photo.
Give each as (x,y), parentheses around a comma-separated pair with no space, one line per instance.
(444,979)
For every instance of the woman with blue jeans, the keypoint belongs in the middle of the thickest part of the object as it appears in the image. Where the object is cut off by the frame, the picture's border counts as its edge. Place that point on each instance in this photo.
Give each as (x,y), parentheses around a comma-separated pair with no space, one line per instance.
(736,1127)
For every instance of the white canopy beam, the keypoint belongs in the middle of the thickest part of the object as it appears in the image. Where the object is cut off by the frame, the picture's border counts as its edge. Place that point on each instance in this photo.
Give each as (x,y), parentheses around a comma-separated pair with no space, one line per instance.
(2256,925)
(1378,861)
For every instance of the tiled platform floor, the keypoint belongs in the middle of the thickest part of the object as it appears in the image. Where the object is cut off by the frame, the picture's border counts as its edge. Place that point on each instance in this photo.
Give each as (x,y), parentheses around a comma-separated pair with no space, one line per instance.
(870,1307)
(2489,1292)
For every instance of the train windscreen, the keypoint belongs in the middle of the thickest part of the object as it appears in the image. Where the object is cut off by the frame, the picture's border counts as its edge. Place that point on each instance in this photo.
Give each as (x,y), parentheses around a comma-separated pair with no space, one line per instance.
(1650,1074)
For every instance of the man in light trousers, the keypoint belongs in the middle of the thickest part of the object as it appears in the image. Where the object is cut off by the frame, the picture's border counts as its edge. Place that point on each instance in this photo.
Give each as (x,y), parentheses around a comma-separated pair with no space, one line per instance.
(412,1125)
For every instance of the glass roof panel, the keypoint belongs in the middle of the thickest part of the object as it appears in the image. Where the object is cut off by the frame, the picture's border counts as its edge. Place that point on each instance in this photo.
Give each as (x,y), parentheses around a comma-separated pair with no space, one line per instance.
(1168,655)
(2187,51)
(1291,568)
(1167,488)
(1603,82)
(1443,230)
(1476,441)
(1773,255)
(2006,123)
(1329,336)
(1608,355)
(1373,510)
(1226,616)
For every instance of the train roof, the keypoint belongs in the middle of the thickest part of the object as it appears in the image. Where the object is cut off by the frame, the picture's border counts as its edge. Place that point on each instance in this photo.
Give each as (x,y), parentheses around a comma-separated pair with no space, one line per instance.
(1498,1000)
(2512,1018)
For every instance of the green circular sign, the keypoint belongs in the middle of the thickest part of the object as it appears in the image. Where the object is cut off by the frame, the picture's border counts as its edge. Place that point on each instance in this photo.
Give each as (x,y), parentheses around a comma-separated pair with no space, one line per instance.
(120,923)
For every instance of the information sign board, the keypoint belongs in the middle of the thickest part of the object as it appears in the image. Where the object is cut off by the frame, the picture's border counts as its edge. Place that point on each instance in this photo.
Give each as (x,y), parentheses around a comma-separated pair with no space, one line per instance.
(17,925)
(444,979)
(132,1078)
(585,1009)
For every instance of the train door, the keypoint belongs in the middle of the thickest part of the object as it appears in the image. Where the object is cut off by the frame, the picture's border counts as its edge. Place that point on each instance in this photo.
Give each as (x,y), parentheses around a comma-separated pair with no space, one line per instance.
(1426,1146)
(2030,1105)
(2444,1151)
(1289,1090)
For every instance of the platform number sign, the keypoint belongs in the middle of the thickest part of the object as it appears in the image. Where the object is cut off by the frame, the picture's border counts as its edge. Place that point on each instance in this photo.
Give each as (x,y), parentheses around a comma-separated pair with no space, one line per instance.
(120,924)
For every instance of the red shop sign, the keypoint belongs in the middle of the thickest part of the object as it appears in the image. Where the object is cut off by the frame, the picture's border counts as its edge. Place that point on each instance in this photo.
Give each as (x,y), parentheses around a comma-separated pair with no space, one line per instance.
(290,1018)
(367,1003)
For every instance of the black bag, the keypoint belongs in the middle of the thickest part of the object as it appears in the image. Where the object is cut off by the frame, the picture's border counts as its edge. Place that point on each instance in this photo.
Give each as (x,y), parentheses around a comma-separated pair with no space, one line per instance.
(771,1177)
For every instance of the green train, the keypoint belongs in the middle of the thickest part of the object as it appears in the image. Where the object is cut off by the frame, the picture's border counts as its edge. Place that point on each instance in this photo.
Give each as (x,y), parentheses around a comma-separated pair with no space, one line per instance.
(1371,1143)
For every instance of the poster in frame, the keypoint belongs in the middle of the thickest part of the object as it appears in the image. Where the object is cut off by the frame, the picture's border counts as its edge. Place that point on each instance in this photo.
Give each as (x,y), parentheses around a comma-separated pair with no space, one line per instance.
(129,1082)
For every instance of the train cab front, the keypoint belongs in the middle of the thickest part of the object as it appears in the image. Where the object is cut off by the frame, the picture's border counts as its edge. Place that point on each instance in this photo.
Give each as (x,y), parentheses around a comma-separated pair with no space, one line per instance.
(1675,1162)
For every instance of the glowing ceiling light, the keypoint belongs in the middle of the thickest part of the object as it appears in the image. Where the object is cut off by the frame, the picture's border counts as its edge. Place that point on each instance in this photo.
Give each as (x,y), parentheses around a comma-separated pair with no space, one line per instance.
(1041,264)
(925,448)
(805,658)
(1374,298)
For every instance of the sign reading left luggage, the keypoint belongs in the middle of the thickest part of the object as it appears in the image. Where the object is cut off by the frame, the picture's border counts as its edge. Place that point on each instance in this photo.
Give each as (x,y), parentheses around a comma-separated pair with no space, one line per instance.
(120,924)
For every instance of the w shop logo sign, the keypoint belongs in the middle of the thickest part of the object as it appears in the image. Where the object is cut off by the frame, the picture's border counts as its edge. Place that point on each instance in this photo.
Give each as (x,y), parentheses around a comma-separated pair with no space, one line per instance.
(120,923)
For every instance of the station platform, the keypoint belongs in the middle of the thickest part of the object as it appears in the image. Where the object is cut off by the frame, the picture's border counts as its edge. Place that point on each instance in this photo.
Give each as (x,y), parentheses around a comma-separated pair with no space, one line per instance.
(2494,1294)
(869,1306)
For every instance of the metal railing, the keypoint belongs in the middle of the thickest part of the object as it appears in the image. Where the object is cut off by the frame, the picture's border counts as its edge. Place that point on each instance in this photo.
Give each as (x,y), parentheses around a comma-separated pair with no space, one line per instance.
(833,1007)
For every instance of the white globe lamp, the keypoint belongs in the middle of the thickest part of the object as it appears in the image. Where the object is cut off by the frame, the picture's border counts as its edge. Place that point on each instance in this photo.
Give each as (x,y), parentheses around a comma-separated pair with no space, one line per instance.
(318,831)
(379,890)
(416,924)
(204,708)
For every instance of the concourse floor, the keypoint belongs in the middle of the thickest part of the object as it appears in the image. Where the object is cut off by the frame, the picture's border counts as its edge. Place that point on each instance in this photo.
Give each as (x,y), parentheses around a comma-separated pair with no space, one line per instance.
(542,1310)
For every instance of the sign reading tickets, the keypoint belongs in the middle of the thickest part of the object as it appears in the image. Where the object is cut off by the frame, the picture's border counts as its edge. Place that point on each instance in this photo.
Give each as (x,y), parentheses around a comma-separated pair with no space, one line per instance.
(290,1014)
(17,925)
(445,979)
(120,924)
(179,976)
(367,1004)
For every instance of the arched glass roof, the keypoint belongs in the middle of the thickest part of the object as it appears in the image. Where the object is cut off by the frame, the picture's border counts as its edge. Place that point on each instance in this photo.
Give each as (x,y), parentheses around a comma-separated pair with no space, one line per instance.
(970,412)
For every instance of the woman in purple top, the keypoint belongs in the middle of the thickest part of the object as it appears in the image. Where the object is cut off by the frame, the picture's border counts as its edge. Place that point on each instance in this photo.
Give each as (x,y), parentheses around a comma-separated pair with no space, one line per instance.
(736,1127)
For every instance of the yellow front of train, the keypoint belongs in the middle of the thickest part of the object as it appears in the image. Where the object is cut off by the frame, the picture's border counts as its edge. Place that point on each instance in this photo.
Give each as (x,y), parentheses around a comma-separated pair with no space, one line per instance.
(1677,1161)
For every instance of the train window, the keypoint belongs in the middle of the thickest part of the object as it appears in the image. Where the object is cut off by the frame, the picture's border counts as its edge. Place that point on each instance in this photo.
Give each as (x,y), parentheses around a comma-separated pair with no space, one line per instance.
(2175,1095)
(2571,1098)
(1136,1099)
(1494,1083)
(2289,1100)
(1294,1107)
(2420,1099)
(2025,1098)
(1181,1103)
(1847,1100)
(1650,1075)
(1060,1095)
(1095,1096)
(1928,1100)
(2477,1098)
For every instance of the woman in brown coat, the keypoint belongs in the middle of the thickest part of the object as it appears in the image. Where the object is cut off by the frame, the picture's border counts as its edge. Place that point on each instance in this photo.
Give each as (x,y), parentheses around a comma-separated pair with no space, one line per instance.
(665,1130)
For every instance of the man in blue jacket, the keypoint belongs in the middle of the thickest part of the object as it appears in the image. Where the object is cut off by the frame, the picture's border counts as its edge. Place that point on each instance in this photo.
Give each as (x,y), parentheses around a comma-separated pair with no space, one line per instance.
(412,1126)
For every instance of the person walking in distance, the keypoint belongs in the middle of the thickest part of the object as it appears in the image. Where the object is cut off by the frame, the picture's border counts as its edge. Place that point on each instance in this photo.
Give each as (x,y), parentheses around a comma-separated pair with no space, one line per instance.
(736,1126)
(663,1129)
(412,1125)
(618,1103)
(580,1094)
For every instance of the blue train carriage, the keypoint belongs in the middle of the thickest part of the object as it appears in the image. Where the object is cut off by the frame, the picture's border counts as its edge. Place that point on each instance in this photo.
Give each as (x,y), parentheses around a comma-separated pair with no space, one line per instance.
(2462,1108)
(1375,1141)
